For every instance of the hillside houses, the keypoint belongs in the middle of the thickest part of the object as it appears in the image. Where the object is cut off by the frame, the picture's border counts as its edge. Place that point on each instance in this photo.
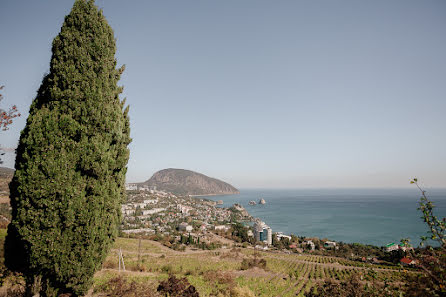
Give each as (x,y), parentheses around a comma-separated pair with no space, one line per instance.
(165,213)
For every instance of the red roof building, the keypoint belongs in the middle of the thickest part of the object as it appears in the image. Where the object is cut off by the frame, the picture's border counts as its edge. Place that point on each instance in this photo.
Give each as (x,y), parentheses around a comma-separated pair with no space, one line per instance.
(407,261)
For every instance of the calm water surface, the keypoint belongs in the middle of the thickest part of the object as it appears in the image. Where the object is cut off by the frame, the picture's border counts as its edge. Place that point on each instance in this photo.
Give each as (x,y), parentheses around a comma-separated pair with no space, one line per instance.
(366,216)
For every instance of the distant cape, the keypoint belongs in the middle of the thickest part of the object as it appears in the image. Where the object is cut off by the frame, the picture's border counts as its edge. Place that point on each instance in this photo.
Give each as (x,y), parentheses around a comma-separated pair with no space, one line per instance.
(187,182)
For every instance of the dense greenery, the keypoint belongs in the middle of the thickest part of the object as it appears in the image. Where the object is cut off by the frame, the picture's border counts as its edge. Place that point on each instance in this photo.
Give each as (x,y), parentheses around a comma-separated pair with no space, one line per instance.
(240,232)
(71,161)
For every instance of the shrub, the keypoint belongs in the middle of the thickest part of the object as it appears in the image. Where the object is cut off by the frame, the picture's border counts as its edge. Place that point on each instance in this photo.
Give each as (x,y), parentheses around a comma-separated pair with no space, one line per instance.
(177,287)
(13,285)
(167,269)
(220,277)
(237,292)
(251,263)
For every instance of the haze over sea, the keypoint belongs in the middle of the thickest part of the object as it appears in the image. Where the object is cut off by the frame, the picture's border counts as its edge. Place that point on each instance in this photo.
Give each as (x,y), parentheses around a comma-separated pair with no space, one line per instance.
(368,216)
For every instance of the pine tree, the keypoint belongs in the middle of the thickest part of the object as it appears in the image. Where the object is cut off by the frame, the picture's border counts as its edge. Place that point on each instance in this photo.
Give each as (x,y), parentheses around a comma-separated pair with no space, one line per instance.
(71,161)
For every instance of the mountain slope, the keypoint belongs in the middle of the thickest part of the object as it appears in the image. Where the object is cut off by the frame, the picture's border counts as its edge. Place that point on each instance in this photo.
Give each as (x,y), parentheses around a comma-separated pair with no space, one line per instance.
(186,182)
(5,177)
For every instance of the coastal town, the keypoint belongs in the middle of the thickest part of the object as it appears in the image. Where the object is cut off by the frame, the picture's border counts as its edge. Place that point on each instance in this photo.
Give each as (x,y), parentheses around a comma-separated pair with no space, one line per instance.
(149,211)
(179,221)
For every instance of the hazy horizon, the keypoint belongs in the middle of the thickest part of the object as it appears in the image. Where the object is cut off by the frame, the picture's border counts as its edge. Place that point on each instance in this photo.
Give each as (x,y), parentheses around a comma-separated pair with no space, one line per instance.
(262,94)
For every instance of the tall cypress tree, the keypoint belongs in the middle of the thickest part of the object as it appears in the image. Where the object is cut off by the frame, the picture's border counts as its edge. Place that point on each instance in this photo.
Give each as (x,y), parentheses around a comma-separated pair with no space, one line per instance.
(71,160)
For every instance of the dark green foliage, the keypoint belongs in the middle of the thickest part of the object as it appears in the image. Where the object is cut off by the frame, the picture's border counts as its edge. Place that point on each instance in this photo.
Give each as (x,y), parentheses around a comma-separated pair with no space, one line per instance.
(241,232)
(71,160)
(177,287)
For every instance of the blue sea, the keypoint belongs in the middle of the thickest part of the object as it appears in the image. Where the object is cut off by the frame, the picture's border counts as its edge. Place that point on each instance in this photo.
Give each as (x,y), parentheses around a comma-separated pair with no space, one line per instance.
(368,216)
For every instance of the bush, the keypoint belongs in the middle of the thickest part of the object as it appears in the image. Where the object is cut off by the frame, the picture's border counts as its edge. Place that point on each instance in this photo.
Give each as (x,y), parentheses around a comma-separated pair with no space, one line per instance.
(237,292)
(224,278)
(241,292)
(167,269)
(13,285)
(177,287)
(251,263)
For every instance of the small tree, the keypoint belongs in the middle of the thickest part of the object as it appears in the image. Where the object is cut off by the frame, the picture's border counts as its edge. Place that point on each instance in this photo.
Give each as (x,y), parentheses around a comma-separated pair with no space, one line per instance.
(432,261)
(71,161)
(6,119)
(7,116)
(437,227)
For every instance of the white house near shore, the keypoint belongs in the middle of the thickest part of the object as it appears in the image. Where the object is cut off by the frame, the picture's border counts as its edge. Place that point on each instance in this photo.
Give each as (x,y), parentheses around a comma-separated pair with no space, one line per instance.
(329,244)
(281,236)
(310,244)
(392,247)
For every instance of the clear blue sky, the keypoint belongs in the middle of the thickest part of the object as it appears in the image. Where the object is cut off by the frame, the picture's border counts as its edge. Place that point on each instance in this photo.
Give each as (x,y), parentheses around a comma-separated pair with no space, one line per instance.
(262,93)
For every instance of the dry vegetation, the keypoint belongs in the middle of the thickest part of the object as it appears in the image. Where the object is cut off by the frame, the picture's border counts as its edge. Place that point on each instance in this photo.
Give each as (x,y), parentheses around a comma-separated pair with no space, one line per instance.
(235,272)
(218,273)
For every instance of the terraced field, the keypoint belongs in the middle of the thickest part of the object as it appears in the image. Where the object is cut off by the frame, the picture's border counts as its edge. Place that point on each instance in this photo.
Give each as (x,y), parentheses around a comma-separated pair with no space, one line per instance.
(214,271)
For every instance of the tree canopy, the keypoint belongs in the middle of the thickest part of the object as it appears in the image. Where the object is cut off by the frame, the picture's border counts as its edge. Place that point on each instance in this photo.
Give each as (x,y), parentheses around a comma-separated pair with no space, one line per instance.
(71,160)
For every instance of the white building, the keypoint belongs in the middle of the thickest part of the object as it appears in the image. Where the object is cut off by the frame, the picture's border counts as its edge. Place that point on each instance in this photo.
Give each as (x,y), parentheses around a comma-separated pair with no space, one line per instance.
(141,230)
(144,188)
(310,244)
(131,187)
(128,212)
(262,232)
(146,212)
(221,227)
(185,227)
(329,244)
(151,201)
(281,236)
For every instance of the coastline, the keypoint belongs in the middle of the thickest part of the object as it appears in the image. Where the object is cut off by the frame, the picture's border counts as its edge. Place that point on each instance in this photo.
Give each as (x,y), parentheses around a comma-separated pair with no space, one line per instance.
(367,216)
(219,194)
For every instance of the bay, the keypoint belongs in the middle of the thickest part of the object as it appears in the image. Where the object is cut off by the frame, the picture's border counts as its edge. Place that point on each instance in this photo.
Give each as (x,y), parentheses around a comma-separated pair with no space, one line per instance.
(367,216)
